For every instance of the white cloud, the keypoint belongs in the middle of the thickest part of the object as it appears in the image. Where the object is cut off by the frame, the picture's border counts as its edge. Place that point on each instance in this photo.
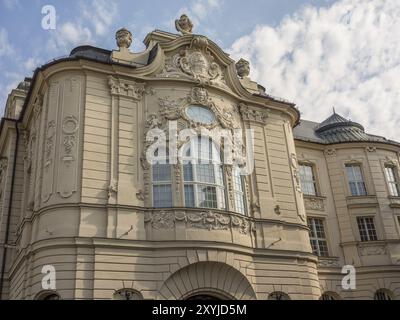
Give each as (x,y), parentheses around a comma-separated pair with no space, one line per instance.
(199,10)
(347,56)
(11,4)
(5,47)
(69,35)
(101,14)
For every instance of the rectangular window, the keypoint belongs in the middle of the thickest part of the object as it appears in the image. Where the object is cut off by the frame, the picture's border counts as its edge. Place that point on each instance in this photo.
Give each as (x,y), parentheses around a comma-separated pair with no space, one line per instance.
(317,237)
(367,230)
(162,190)
(356,180)
(307,180)
(392,181)
(162,196)
(238,188)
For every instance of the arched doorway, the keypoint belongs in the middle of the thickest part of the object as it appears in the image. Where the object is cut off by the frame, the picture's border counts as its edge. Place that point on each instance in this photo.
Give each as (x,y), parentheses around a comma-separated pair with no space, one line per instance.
(207,281)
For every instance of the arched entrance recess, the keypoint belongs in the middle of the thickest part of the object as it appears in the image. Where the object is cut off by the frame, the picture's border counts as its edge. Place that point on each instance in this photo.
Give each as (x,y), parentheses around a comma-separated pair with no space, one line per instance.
(207,281)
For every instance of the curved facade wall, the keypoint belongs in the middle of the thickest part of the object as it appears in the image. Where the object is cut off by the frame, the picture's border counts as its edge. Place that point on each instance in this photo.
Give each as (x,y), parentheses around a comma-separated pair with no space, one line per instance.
(83,199)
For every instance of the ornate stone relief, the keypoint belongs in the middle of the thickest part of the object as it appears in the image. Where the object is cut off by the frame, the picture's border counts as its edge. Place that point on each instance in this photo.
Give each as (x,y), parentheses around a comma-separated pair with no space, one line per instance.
(126,88)
(49,146)
(3,169)
(295,170)
(69,128)
(37,106)
(195,62)
(330,152)
(140,195)
(391,161)
(322,262)
(296,179)
(198,220)
(123,38)
(250,114)
(243,68)
(370,149)
(176,109)
(314,204)
(375,250)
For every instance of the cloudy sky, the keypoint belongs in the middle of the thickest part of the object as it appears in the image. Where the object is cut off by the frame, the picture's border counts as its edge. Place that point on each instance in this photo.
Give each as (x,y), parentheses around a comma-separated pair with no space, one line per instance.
(317,53)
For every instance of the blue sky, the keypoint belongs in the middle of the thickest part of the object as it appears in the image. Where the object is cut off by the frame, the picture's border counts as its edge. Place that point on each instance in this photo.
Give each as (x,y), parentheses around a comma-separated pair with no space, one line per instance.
(319,54)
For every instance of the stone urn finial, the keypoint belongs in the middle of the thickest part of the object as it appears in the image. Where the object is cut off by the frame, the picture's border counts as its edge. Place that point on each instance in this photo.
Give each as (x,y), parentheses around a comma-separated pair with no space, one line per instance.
(243,68)
(184,25)
(124,38)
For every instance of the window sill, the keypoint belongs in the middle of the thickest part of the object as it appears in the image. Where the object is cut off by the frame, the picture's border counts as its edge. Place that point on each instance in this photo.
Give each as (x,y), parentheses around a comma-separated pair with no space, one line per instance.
(361,201)
(394,201)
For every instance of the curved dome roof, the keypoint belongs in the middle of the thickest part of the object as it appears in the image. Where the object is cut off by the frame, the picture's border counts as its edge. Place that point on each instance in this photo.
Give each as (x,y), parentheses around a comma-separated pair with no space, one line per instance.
(335,129)
(338,129)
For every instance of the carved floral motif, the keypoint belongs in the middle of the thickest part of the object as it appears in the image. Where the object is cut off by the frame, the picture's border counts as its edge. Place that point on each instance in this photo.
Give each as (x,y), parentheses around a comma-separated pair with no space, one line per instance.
(125,88)
(314,204)
(249,114)
(209,220)
(375,250)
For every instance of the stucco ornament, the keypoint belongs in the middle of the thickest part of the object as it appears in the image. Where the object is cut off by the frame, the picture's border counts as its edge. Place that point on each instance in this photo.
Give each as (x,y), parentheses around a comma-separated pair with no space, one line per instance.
(243,68)
(176,109)
(124,38)
(195,62)
(184,25)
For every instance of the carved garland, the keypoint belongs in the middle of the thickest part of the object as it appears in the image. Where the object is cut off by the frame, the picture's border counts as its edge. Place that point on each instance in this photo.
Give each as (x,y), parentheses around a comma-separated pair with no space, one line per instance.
(202,220)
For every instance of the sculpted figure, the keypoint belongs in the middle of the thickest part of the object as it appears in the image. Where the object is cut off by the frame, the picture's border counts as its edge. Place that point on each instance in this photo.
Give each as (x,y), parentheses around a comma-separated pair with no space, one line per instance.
(243,68)
(124,38)
(184,25)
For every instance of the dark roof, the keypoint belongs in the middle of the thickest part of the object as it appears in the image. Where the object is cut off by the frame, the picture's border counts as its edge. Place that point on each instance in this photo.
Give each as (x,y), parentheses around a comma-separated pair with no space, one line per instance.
(335,129)
(90,52)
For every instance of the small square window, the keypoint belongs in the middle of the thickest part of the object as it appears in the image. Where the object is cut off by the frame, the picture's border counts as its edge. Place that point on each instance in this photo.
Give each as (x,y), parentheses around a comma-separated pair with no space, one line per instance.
(366,227)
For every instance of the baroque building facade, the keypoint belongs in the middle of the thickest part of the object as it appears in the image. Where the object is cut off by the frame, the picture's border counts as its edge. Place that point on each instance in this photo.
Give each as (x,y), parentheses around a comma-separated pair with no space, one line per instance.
(78,194)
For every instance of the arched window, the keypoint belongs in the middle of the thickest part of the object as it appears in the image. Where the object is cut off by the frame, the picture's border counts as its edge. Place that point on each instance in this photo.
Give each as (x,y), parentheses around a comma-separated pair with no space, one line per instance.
(127,294)
(278,295)
(239,191)
(203,175)
(329,296)
(162,180)
(383,294)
